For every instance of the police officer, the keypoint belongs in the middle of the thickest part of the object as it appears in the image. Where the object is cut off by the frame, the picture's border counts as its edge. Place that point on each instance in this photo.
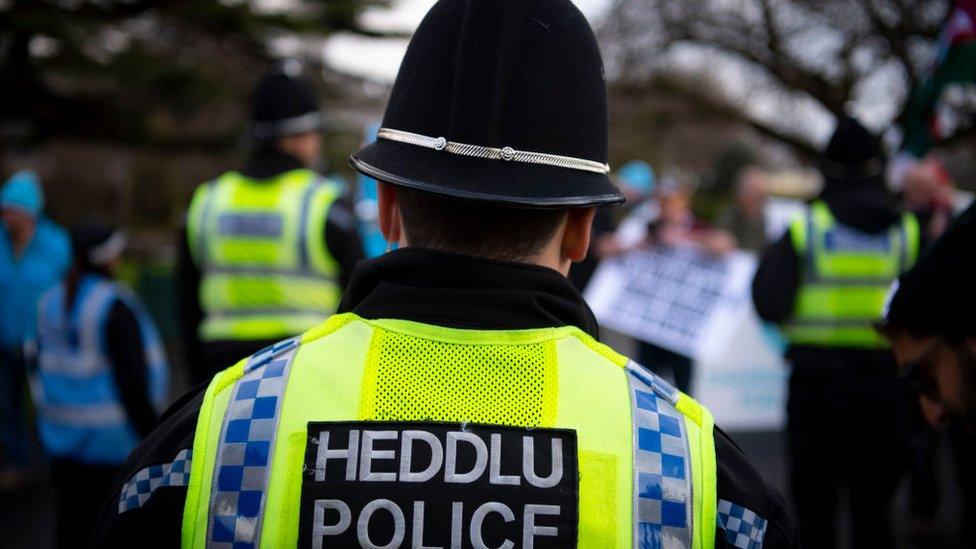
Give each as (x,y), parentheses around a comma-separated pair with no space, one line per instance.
(460,398)
(267,249)
(825,283)
(100,380)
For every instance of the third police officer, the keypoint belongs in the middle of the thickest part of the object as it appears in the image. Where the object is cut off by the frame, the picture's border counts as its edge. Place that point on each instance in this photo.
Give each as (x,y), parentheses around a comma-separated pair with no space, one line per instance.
(825,283)
(267,248)
(461,397)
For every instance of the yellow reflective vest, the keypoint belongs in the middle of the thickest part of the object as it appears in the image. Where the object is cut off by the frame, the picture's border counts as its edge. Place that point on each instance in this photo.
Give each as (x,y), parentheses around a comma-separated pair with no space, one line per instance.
(382,433)
(845,274)
(260,247)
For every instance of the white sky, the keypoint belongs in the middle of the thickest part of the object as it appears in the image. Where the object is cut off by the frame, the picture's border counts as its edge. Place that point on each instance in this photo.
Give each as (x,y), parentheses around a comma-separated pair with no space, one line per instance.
(379,59)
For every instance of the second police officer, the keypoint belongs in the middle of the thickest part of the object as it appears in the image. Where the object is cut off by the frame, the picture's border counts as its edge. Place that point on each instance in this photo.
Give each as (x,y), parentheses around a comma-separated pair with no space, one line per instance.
(267,248)
(461,397)
(825,282)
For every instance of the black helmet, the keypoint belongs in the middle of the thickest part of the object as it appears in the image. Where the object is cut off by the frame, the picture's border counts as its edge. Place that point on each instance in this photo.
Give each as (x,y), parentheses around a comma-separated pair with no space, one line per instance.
(283,103)
(853,155)
(502,101)
(95,245)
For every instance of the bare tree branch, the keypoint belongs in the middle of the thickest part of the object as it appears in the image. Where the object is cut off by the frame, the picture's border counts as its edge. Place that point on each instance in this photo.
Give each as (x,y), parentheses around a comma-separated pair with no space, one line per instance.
(828,50)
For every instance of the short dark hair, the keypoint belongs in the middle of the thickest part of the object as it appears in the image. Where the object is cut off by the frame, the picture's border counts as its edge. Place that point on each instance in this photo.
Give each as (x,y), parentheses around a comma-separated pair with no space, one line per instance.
(476,228)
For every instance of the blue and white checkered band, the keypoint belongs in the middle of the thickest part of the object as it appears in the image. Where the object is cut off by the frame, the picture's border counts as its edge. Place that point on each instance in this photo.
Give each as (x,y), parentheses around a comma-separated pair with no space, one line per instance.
(141,486)
(244,453)
(743,527)
(662,475)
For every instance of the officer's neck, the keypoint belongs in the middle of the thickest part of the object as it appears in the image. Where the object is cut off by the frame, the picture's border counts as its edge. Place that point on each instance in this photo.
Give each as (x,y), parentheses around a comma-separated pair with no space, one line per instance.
(550,256)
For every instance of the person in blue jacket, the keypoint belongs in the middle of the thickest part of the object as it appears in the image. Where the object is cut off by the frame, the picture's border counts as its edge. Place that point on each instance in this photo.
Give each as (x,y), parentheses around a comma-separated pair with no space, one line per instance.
(34,255)
(100,379)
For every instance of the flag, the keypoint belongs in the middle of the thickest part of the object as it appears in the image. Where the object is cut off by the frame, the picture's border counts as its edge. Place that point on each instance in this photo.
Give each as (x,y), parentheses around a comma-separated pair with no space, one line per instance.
(944,103)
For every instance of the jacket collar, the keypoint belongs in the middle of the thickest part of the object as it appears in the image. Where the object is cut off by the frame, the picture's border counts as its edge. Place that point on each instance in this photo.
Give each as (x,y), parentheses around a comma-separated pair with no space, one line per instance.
(459,291)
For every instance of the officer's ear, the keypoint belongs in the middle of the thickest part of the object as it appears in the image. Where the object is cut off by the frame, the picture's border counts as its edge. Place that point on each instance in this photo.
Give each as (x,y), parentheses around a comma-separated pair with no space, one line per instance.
(391,225)
(576,237)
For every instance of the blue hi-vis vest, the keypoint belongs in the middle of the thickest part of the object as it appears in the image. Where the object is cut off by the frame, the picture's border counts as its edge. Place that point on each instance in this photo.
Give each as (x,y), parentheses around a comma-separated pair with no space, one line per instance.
(80,414)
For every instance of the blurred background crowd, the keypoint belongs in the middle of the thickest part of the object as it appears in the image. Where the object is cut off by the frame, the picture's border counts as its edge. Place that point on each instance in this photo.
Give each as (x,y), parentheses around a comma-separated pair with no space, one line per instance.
(112,113)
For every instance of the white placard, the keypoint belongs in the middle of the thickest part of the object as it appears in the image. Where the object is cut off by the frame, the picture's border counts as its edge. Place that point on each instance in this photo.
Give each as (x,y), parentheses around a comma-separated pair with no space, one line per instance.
(698,305)
(669,296)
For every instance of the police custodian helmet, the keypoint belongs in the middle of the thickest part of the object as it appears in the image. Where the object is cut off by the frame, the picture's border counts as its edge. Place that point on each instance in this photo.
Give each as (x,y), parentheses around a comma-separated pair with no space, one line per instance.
(501,101)
(283,103)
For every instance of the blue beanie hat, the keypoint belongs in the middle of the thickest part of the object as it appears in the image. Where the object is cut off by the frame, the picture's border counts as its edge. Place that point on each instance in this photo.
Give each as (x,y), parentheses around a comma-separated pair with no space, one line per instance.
(23,191)
(637,175)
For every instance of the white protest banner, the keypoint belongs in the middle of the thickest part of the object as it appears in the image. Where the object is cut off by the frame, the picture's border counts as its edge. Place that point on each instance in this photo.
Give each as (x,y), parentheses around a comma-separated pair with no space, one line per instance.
(668,295)
(699,305)
(741,377)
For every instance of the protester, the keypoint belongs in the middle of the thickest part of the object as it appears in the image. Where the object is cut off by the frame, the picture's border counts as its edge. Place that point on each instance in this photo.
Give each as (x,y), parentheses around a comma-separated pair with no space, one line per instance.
(266,250)
(927,190)
(928,193)
(746,219)
(825,283)
(676,225)
(930,323)
(636,181)
(101,379)
(461,398)
(34,255)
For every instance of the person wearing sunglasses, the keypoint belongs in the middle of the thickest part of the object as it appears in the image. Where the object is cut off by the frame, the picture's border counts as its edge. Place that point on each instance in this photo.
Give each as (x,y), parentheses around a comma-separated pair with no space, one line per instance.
(931,324)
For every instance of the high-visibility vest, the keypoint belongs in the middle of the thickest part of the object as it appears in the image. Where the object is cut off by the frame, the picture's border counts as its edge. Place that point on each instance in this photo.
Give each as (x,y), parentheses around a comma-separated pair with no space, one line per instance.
(635,467)
(845,274)
(80,414)
(260,247)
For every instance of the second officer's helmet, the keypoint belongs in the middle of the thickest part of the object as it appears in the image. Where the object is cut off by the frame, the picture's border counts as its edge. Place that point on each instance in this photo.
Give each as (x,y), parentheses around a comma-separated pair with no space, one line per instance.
(284,103)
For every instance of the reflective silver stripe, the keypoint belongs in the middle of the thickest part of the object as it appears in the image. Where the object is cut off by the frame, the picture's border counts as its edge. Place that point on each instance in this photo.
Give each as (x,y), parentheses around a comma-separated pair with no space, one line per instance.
(255,272)
(81,366)
(295,125)
(84,415)
(202,237)
(97,299)
(812,234)
(663,507)
(108,250)
(902,236)
(88,359)
(305,205)
(265,225)
(246,448)
(493,153)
